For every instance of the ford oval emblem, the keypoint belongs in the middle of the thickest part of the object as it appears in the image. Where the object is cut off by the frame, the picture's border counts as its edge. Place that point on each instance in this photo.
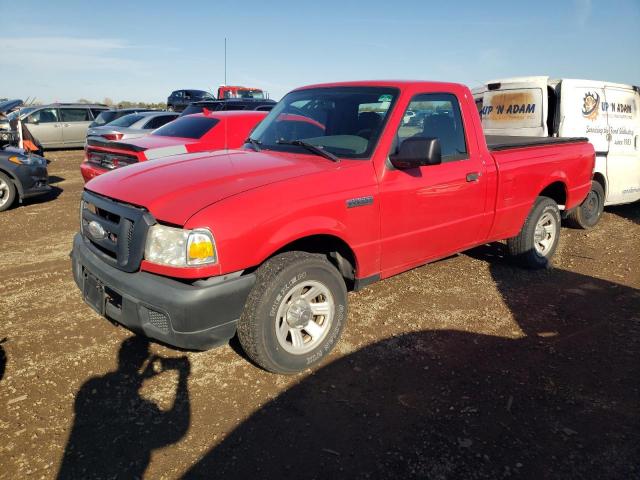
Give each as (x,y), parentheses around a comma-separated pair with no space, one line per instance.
(96,230)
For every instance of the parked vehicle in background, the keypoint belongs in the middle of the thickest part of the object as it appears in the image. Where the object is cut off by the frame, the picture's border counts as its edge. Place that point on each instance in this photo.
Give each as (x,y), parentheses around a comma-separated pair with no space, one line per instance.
(179,99)
(232,104)
(331,193)
(60,125)
(22,174)
(237,91)
(6,109)
(604,112)
(193,133)
(111,115)
(133,125)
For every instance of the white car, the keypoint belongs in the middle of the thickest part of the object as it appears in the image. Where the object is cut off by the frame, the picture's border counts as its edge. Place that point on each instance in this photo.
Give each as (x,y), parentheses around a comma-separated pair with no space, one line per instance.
(408,117)
(604,112)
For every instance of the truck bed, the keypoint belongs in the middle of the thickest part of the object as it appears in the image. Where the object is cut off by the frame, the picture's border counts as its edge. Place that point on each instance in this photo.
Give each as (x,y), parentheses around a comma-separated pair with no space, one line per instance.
(505,142)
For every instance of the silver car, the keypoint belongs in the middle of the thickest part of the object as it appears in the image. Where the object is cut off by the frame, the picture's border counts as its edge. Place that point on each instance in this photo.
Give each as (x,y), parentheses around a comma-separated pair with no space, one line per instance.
(59,125)
(131,126)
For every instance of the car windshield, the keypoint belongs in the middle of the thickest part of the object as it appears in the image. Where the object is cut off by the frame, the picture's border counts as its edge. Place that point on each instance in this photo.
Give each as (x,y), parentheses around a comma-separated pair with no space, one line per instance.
(126,121)
(197,108)
(187,127)
(345,121)
(104,118)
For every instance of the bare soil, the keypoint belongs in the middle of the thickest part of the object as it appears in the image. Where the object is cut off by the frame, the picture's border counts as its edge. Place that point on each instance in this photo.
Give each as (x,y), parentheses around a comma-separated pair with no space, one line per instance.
(465,368)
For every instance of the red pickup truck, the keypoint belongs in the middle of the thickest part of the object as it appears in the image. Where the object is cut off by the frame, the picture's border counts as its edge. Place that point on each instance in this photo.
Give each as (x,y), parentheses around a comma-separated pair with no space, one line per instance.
(333,191)
(192,133)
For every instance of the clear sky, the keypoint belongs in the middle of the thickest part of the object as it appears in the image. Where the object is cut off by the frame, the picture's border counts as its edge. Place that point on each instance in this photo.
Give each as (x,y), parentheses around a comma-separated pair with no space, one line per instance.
(141,51)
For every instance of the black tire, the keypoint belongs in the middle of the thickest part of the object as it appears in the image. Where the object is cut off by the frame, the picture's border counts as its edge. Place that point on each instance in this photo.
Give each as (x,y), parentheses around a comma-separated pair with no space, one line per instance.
(523,246)
(588,213)
(8,195)
(274,280)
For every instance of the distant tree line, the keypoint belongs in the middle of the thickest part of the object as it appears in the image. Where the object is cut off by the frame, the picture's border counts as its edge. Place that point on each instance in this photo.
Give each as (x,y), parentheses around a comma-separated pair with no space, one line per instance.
(128,104)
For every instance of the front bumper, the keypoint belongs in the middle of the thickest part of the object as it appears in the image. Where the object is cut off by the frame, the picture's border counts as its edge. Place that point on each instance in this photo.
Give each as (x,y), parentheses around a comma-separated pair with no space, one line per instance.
(193,316)
(32,181)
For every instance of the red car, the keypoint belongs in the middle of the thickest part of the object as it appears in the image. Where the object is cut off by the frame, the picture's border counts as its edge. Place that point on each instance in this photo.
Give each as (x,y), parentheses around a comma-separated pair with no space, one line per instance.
(333,191)
(200,132)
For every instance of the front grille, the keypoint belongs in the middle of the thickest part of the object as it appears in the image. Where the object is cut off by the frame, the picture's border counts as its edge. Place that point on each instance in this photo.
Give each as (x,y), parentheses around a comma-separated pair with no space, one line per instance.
(159,320)
(115,231)
(109,161)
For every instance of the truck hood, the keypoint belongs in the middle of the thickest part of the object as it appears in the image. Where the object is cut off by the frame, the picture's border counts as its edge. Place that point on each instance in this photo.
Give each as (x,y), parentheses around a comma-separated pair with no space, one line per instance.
(175,188)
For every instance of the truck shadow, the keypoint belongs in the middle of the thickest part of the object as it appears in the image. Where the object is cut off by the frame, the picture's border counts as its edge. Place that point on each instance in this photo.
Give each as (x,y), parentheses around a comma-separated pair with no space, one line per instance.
(559,401)
(115,430)
(630,211)
(3,359)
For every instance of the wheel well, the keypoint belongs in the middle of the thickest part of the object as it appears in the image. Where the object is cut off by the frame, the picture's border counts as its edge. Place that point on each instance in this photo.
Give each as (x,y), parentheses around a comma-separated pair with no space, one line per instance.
(14,180)
(336,250)
(598,177)
(557,192)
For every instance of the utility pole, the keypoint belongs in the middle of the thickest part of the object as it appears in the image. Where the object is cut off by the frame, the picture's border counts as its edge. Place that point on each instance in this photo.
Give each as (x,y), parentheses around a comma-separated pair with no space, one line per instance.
(225,60)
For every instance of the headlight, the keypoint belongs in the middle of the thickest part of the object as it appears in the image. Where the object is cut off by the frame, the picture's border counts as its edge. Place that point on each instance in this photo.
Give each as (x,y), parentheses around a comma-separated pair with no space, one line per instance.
(31,160)
(179,247)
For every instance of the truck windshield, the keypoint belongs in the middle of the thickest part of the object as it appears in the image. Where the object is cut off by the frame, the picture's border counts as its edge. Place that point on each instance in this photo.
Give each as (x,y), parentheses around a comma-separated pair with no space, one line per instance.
(247,93)
(345,121)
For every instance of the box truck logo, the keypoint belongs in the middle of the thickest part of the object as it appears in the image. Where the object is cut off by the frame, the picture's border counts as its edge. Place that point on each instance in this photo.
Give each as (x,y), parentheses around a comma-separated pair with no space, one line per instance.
(512,109)
(590,105)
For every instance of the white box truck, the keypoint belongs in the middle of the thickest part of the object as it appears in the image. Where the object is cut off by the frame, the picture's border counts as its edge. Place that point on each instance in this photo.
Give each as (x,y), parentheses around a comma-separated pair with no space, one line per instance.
(606,113)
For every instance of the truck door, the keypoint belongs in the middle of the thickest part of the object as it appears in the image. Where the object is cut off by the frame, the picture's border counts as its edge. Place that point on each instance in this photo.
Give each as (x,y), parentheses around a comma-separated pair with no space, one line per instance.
(431,211)
(623,161)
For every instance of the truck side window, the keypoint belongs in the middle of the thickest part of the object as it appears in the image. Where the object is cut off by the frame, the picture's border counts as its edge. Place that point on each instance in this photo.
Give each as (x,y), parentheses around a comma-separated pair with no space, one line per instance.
(436,115)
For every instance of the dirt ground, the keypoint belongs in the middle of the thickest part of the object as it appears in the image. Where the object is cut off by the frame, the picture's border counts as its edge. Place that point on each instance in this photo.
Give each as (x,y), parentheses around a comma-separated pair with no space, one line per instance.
(465,368)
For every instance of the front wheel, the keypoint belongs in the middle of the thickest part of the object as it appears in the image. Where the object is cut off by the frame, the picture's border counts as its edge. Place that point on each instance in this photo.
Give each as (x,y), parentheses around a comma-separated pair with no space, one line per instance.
(7,192)
(295,312)
(538,240)
(588,213)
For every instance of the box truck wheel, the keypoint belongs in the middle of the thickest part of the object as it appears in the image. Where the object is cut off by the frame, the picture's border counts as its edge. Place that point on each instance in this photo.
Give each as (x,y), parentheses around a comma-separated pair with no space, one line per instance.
(537,241)
(588,213)
(295,312)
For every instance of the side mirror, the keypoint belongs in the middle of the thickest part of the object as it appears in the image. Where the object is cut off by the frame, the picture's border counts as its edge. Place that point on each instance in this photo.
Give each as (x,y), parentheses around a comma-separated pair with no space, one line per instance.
(416,152)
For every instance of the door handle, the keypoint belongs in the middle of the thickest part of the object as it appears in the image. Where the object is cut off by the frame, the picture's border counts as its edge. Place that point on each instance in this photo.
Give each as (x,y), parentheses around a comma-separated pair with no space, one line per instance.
(67,125)
(473,177)
(56,125)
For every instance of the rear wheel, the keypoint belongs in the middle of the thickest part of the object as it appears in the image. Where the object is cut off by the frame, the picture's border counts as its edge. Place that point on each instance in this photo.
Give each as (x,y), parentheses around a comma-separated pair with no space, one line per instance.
(7,192)
(588,213)
(295,312)
(538,240)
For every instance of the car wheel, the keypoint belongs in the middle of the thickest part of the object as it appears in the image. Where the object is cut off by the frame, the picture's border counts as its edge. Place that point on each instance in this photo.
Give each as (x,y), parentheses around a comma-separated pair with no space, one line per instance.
(7,192)
(538,240)
(294,314)
(588,213)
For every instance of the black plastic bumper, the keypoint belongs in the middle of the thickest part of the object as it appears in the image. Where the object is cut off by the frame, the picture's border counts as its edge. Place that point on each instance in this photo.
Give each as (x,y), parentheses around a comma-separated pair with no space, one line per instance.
(184,315)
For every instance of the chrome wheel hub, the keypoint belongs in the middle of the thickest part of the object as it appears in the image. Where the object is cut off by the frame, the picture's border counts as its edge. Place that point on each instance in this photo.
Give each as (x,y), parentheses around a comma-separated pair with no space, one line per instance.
(545,234)
(304,317)
(4,193)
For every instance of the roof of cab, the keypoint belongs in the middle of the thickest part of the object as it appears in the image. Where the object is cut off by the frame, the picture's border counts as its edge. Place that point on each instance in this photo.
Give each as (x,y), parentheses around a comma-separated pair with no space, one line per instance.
(389,83)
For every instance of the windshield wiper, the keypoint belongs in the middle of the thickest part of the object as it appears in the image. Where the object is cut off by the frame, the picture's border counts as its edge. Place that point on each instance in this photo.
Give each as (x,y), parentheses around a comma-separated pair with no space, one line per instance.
(311,147)
(254,143)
